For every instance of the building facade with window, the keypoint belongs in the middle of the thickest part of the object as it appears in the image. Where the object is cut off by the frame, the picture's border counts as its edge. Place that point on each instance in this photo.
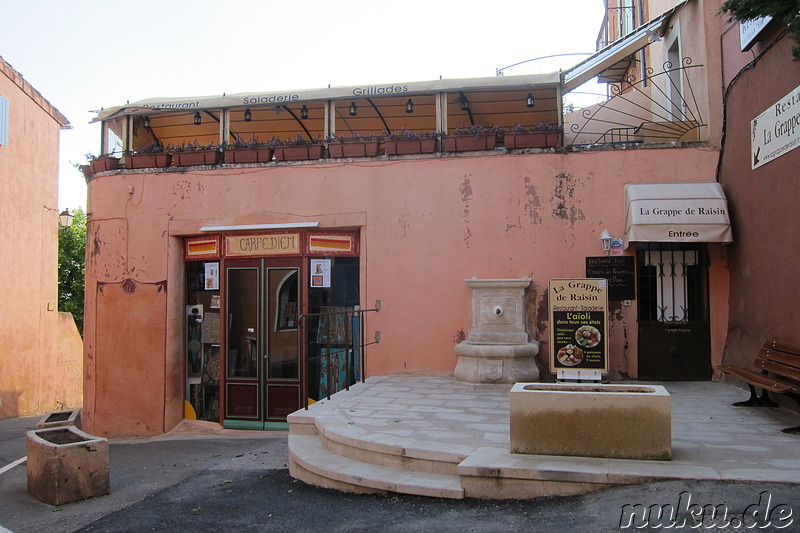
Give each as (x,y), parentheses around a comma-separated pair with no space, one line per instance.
(237,291)
(40,364)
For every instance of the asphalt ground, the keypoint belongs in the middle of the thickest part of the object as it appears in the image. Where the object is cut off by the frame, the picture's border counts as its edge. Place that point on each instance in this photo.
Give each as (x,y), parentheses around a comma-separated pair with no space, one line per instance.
(217,483)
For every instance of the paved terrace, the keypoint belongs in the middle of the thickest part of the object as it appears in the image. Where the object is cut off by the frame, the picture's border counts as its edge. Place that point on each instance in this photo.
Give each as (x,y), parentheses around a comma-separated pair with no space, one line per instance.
(425,416)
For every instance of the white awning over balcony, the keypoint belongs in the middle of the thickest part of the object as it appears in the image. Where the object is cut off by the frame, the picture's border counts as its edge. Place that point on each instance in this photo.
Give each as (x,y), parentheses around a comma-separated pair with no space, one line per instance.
(676,212)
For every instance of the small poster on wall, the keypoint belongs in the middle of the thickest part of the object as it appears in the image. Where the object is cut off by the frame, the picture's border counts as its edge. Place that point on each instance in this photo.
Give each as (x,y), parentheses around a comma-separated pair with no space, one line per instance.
(321,273)
(212,276)
(578,324)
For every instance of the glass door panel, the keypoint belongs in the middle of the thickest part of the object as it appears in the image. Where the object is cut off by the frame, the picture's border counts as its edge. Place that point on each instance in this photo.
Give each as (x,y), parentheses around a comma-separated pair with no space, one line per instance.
(282,347)
(242,342)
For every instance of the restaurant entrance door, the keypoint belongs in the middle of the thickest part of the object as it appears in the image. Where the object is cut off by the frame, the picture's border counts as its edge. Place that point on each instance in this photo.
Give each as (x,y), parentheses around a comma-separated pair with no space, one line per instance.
(674,330)
(262,342)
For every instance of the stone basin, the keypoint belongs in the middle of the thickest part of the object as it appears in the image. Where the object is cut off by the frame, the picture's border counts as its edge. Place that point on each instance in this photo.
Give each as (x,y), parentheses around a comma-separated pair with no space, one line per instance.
(66,465)
(591,420)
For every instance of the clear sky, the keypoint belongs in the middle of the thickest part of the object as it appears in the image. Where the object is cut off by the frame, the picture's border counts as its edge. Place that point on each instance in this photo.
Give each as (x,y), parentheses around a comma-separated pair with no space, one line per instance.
(86,54)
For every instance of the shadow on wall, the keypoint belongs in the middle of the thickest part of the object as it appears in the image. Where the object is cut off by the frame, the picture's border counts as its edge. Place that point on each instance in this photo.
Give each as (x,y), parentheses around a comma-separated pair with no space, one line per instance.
(9,404)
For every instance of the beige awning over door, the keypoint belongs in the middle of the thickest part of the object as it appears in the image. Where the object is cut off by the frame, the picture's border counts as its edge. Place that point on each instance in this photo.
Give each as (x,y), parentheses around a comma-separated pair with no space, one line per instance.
(676,212)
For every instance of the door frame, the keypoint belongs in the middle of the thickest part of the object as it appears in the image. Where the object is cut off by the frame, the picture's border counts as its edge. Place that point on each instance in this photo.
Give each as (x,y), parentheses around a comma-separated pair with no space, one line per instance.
(265,385)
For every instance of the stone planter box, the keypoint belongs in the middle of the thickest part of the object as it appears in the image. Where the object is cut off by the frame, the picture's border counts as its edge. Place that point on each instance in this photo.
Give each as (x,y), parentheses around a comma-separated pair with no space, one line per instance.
(197,158)
(236,156)
(60,419)
(354,149)
(591,420)
(104,164)
(469,143)
(425,145)
(534,139)
(300,152)
(161,160)
(66,465)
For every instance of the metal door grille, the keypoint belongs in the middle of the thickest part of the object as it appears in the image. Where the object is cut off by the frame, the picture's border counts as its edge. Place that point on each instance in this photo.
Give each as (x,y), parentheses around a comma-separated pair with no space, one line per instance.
(670,283)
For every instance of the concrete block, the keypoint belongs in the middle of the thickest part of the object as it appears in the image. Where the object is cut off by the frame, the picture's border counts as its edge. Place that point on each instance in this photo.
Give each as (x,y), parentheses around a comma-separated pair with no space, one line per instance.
(588,420)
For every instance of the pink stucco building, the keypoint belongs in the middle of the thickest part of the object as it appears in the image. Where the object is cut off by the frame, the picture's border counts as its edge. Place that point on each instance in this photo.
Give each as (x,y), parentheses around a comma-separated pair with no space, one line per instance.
(40,352)
(215,286)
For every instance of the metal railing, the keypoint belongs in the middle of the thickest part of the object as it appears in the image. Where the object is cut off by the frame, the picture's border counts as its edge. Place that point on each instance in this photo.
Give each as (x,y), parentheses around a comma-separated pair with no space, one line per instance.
(617,22)
(335,355)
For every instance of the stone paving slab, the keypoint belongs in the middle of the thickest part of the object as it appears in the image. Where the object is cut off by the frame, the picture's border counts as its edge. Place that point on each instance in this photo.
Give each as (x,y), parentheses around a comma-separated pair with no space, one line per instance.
(711,439)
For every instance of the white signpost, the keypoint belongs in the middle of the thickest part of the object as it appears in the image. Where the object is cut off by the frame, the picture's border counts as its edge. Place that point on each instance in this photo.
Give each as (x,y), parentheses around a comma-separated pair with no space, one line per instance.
(776,131)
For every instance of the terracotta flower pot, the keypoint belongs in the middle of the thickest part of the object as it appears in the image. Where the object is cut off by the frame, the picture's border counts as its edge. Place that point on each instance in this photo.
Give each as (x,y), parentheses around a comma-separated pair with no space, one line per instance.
(104,164)
(354,149)
(298,152)
(469,143)
(148,160)
(534,139)
(197,158)
(423,145)
(235,156)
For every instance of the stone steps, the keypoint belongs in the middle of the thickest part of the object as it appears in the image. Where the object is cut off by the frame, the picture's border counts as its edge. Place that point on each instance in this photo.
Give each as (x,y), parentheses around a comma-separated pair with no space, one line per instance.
(312,462)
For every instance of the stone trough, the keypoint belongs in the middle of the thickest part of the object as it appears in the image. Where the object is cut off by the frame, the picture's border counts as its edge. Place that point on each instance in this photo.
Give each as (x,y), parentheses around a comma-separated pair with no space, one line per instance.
(591,420)
(66,465)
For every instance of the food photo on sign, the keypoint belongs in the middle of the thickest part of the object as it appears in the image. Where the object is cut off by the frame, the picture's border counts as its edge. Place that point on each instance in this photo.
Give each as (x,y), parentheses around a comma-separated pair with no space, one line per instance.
(578,324)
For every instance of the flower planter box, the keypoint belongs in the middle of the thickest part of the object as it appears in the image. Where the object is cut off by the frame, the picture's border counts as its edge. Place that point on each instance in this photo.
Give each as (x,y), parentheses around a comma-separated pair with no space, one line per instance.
(535,139)
(236,156)
(597,420)
(104,164)
(469,143)
(197,158)
(148,160)
(300,152)
(425,145)
(66,465)
(57,419)
(354,149)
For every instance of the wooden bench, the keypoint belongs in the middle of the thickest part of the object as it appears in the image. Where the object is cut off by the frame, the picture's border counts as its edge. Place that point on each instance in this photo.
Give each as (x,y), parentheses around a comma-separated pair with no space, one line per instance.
(777,370)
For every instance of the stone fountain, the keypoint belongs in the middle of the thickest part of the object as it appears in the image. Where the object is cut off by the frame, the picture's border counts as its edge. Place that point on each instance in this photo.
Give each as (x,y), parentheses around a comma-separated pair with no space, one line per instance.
(497,349)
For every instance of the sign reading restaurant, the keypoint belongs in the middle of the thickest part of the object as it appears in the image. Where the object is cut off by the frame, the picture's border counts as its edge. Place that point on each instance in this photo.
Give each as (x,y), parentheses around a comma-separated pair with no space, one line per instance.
(776,131)
(578,324)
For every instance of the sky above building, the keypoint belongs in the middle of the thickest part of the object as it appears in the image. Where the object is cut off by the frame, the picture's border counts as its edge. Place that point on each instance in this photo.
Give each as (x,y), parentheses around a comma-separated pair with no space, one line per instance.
(83,55)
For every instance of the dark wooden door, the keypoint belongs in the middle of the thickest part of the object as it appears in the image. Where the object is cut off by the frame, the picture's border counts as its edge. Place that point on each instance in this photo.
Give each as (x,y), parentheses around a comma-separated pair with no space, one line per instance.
(674,332)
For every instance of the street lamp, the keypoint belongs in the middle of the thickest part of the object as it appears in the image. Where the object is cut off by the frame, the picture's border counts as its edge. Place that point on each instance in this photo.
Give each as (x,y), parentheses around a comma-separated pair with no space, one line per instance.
(605,238)
(65,218)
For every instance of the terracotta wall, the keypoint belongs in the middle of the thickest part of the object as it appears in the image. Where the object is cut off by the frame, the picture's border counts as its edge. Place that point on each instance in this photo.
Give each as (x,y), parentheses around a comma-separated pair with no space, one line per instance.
(35,376)
(426,225)
(765,284)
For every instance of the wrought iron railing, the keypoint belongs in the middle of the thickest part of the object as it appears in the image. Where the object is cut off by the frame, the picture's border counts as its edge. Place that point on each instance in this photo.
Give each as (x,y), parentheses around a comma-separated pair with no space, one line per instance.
(335,355)
(661,107)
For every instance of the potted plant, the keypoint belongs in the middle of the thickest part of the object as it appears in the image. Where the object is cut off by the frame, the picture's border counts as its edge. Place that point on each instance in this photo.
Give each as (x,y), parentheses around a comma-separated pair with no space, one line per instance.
(409,142)
(243,152)
(354,145)
(297,149)
(195,154)
(150,155)
(471,139)
(102,162)
(541,135)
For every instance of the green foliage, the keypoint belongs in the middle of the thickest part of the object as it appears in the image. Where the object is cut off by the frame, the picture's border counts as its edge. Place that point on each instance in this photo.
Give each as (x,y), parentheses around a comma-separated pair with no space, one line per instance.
(71,267)
(786,11)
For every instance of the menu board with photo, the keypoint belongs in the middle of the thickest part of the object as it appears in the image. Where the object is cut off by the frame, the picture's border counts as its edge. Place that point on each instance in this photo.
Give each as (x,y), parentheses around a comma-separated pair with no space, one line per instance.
(578,324)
